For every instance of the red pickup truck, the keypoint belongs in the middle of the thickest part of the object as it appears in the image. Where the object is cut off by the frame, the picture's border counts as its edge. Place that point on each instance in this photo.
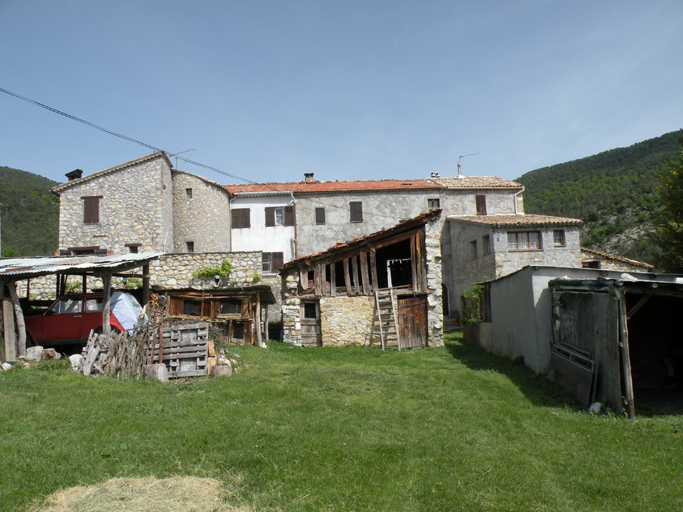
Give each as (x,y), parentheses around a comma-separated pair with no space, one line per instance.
(68,320)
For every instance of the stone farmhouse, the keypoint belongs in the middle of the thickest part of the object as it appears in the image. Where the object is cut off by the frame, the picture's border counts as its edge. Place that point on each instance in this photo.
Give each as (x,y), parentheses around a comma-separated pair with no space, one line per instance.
(145,205)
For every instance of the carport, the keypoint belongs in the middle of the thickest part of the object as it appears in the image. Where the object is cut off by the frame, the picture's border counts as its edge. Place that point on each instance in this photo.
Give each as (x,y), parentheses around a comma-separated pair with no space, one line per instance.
(620,340)
(13,270)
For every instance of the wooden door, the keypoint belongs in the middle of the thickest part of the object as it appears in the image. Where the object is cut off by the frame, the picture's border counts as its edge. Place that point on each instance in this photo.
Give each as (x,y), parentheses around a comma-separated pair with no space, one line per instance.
(310,324)
(412,322)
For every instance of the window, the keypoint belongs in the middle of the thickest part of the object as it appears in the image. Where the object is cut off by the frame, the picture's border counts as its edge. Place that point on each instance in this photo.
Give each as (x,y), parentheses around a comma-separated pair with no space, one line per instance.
(558,238)
(67,306)
(91,209)
(93,305)
(133,248)
(231,307)
(356,211)
(473,249)
(188,192)
(241,218)
(590,264)
(434,204)
(192,308)
(189,246)
(486,244)
(272,261)
(524,241)
(310,310)
(279,216)
(320,215)
(481,204)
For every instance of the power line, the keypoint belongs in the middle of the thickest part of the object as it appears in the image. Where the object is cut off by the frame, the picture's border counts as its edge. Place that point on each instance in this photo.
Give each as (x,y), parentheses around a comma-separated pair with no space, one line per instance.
(120,135)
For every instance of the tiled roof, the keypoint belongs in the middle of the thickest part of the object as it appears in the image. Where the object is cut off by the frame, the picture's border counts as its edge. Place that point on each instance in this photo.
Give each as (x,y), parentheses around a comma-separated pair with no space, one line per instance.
(321,187)
(405,225)
(609,256)
(476,182)
(512,221)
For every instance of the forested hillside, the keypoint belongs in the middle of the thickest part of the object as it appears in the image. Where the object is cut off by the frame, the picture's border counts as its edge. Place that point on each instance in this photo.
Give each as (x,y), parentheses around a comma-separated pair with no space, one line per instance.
(29,220)
(613,192)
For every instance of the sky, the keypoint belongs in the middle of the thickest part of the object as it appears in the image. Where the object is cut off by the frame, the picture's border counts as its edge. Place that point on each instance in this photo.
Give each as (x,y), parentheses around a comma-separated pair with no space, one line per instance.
(266,91)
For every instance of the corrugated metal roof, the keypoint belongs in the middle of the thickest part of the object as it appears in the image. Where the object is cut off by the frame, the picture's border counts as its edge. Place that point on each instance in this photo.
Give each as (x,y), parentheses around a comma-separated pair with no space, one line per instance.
(516,220)
(24,268)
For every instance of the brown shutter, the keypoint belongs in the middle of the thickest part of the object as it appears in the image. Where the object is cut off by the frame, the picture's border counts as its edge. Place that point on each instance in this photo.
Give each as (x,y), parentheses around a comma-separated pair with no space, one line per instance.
(91,210)
(241,218)
(278,261)
(481,205)
(356,211)
(289,216)
(270,216)
(320,215)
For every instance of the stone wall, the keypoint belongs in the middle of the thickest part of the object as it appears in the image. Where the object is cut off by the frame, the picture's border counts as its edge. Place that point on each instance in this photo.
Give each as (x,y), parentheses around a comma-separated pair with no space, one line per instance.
(201,214)
(347,320)
(174,271)
(134,208)
(291,309)
(434,281)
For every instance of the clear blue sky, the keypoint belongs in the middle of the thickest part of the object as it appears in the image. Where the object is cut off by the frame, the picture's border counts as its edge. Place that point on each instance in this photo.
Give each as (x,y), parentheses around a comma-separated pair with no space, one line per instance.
(268,90)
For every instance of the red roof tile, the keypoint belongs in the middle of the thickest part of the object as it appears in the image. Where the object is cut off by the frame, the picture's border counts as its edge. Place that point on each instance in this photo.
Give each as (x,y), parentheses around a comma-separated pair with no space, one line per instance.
(321,187)
(511,221)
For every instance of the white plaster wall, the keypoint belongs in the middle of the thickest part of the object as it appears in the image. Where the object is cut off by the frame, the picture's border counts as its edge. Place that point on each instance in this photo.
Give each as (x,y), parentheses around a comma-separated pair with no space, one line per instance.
(259,237)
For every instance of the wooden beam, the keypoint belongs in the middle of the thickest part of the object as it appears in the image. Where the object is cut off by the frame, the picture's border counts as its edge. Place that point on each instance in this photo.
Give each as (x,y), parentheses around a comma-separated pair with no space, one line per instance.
(19,317)
(333,279)
(354,270)
(8,325)
(373,270)
(625,358)
(347,276)
(414,265)
(106,308)
(318,276)
(367,288)
(639,305)
(145,284)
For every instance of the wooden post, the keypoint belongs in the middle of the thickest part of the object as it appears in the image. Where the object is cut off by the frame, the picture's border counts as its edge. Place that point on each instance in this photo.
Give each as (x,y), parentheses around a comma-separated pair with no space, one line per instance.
(145,284)
(257,321)
(106,308)
(625,357)
(19,316)
(367,288)
(373,269)
(347,277)
(85,283)
(8,326)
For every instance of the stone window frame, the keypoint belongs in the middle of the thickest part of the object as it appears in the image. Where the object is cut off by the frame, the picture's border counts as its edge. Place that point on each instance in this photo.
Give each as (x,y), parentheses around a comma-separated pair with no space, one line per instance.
(486,244)
(473,249)
(434,203)
(189,246)
(189,193)
(133,248)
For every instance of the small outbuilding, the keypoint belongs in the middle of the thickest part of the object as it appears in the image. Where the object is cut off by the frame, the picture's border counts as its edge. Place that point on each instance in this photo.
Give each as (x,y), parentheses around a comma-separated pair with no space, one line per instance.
(380,289)
(603,335)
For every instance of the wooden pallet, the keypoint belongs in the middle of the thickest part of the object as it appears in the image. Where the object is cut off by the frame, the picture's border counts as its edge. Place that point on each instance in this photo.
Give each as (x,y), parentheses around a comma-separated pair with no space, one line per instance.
(184,350)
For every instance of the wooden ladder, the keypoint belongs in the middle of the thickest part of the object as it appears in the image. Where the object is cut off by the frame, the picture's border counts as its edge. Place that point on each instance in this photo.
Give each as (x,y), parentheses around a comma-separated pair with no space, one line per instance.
(386,319)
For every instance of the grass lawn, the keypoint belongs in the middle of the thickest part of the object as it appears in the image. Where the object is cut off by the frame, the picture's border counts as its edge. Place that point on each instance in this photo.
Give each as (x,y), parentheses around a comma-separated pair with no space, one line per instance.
(439,429)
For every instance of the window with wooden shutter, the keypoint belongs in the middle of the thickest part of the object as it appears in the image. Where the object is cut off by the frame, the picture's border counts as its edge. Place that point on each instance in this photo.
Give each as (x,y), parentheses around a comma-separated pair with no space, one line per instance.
(481,205)
(273,261)
(290,217)
(241,218)
(278,261)
(91,210)
(356,211)
(320,215)
(270,216)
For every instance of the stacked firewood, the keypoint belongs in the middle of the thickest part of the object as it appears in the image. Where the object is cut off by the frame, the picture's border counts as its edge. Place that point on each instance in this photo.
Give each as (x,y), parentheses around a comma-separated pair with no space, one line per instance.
(125,354)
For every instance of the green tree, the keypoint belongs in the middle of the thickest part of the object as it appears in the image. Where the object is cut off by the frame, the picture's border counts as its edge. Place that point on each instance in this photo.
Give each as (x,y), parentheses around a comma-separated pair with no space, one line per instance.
(668,234)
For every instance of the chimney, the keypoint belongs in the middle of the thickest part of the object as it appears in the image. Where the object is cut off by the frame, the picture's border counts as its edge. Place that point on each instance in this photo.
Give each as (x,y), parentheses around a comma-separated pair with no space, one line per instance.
(74,175)
(435,175)
(308,177)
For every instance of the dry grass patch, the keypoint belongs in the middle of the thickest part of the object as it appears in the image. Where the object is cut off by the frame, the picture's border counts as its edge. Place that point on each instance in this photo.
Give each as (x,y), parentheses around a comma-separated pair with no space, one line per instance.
(176,494)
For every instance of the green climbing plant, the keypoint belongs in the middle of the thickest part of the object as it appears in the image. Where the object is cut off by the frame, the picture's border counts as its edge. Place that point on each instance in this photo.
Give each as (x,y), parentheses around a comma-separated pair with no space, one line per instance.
(222,271)
(471,304)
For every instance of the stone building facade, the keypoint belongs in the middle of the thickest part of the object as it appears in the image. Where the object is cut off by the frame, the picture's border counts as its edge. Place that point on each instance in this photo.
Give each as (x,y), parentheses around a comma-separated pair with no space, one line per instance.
(483,248)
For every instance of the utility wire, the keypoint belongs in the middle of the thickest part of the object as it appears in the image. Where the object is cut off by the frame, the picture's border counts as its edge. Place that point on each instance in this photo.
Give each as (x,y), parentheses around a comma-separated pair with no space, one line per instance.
(119,135)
